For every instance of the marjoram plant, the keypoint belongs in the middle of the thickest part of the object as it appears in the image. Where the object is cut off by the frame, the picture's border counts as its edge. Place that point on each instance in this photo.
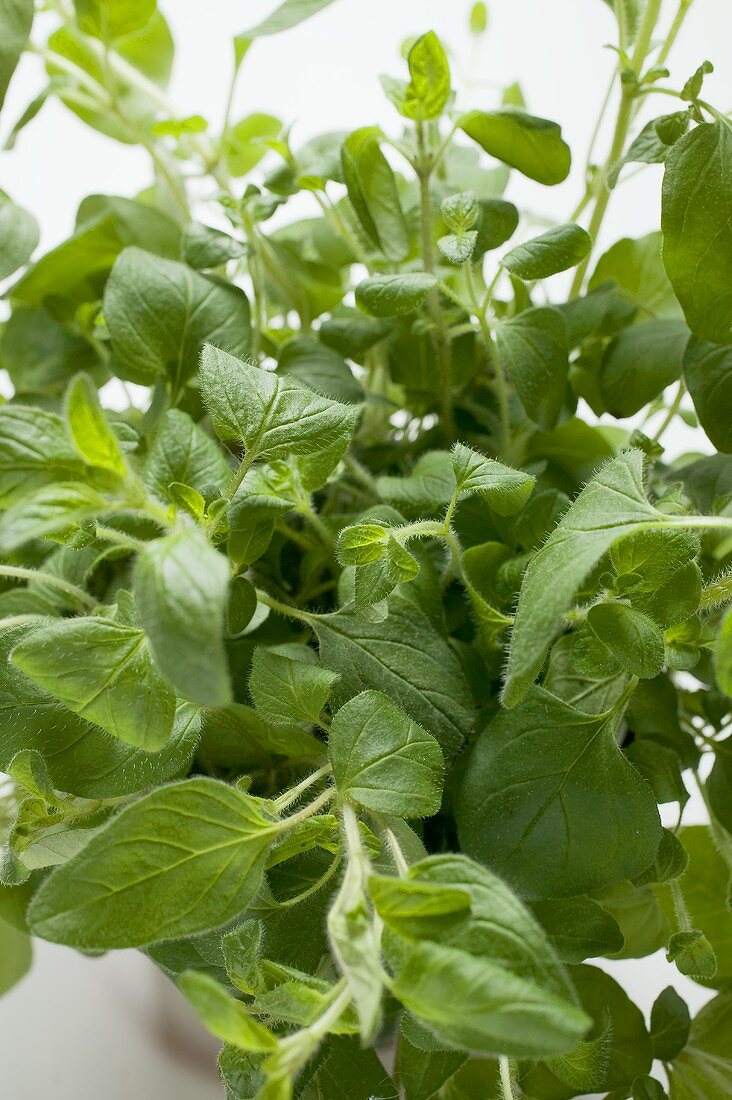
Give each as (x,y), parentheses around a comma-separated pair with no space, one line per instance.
(344,671)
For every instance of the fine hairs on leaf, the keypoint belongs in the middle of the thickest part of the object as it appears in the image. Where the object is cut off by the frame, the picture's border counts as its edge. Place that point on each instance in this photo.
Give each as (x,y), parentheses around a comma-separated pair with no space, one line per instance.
(363,642)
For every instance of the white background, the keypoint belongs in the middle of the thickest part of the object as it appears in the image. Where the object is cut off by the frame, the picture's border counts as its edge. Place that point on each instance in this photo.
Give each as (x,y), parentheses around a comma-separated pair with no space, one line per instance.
(80,1029)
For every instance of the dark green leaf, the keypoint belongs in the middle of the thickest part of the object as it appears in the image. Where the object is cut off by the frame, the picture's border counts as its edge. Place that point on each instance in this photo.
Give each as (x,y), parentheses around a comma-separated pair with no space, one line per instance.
(697,228)
(533,349)
(160,314)
(670,1023)
(567,833)
(556,250)
(372,189)
(708,374)
(407,659)
(393,295)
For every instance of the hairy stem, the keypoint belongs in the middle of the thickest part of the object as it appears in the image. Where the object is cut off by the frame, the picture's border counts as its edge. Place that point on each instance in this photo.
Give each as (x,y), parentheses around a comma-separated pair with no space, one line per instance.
(19,572)
(600,193)
(441,341)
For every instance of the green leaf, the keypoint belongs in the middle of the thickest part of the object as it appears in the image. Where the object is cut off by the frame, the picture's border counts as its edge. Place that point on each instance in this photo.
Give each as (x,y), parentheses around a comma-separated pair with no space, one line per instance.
(47,511)
(704,887)
(41,355)
(506,490)
(702,1070)
(708,375)
(428,91)
(362,544)
(422,1073)
(93,438)
(110,19)
(613,504)
(406,658)
(579,927)
(16,20)
(182,859)
(19,231)
(556,250)
(224,1016)
(286,690)
(183,454)
(180,585)
(532,145)
(533,349)
(567,834)
(35,450)
(377,580)
(80,757)
(102,671)
(76,270)
(417,910)
(344,1059)
(614,1052)
(241,605)
(394,295)
(634,639)
(636,265)
(16,955)
(670,1024)
(149,50)
(659,346)
(499,927)
(372,189)
(246,143)
(204,247)
(457,248)
(697,228)
(383,760)
(693,955)
(478,18)
(472,1003)
(275,417)
(160,313)
(287,15)
(320,368)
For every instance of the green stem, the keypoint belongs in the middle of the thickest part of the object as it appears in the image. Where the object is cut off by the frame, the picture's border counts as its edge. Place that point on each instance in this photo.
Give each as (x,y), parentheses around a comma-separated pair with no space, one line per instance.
(400,860)
(442,346)
(19,572)
(672,411)
(723,523)
(717,592)
(285,609)
(600,192)
(681,13)
(722,838)
(307,511)
(499,373)
(683,920)
(504,1067)
(291,796)
(310,810)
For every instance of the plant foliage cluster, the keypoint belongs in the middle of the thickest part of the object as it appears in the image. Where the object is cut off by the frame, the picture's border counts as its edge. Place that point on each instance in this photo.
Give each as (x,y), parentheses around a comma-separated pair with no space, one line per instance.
(344,675)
